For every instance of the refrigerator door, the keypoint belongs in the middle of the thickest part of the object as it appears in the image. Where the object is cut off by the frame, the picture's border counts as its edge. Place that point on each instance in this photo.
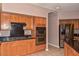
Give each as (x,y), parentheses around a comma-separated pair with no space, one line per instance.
(61,35)
(69,33)
(65,34)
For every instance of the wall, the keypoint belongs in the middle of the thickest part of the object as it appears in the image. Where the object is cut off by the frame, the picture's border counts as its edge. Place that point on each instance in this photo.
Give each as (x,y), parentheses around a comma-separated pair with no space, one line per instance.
(53,29)
(28,9)
(0,7)
(25,8)
(69,15)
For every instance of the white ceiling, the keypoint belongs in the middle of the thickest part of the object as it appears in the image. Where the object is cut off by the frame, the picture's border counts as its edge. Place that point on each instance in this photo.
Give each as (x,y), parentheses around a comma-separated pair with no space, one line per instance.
(60,6)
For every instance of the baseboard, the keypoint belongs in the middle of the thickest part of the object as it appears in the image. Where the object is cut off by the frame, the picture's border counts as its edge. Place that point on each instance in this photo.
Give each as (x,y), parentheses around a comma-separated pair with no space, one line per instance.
(53,45)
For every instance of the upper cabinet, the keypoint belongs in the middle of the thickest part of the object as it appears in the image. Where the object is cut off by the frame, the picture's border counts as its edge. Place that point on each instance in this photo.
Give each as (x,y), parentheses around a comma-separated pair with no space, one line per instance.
(5,21)
(7,18)
(76,24)
(29,22)
(40,21)
(71,21)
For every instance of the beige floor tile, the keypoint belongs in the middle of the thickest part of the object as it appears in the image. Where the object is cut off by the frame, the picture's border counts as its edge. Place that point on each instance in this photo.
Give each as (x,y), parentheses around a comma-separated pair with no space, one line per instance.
(53,51)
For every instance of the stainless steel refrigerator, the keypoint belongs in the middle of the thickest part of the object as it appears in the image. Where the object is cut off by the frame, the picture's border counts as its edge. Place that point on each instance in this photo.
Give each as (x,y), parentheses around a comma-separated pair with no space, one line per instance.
(65,33)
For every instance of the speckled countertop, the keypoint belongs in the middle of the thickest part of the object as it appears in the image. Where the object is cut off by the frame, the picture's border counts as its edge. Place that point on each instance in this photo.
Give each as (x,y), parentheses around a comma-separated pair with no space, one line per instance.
(9,39)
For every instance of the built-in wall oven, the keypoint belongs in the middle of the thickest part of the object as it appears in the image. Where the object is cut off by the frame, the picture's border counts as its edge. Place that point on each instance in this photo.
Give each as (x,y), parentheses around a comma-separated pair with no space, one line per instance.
(40,35)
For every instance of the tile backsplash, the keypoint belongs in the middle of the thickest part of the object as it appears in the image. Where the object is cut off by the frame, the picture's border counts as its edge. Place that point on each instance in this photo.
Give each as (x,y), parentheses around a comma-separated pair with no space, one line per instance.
(4,33)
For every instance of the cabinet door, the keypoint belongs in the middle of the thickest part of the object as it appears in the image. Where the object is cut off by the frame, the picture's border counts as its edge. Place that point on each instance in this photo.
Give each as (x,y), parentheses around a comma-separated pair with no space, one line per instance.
(70,52)
(11,48)
(31,46)
(40,47)
(21,47)
(4,49)
(13,18)
(29,22)
(39,21)
(65,49)
(5,21)
(76,24)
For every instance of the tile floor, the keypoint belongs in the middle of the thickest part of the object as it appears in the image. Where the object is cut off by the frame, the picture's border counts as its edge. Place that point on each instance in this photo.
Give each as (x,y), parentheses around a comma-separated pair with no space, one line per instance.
(53,51)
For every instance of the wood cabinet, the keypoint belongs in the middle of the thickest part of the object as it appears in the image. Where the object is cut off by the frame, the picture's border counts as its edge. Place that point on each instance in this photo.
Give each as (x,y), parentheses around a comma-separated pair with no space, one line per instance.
(31,46)
(40,21)
(8,49)
(5,21)
(29,22)
(7,18)
(76,24)
(69,51)
(71,21)
(20,48)
(40,47)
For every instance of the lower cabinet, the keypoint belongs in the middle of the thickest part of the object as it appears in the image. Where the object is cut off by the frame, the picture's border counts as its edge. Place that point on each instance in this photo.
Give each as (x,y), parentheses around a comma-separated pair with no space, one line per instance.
(40,47)
(69,51)
(19,48)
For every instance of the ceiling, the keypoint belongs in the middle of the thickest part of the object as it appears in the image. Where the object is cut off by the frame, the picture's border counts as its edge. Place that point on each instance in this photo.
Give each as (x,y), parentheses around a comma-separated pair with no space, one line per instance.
(60,6)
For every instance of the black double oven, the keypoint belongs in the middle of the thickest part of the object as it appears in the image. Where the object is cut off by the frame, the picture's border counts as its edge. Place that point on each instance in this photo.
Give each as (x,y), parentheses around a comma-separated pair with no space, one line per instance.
(40,35)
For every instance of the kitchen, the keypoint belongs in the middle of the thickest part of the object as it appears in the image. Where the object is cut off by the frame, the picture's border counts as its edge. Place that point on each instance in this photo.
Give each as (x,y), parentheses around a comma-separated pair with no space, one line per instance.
(70,30)
(27,29)
(21,34)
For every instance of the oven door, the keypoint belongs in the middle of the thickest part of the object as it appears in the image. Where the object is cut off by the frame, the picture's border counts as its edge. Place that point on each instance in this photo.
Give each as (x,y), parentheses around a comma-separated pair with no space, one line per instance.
(40,35)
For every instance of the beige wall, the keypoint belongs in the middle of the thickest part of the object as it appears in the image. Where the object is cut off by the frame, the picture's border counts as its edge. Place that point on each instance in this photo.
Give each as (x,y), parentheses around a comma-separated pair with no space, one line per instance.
(0,7)
(25,8)
(69,15)
(53,29)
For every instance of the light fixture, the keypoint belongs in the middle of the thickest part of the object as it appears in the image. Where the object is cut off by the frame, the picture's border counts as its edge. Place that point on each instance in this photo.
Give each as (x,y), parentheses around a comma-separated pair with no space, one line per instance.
(57,8)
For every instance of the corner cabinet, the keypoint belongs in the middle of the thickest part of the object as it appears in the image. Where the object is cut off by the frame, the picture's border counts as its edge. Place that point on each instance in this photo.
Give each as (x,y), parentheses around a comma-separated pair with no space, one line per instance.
(69,51)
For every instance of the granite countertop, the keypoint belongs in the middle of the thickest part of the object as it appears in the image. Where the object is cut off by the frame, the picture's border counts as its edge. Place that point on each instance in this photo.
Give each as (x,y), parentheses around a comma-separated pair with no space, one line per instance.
(74,45)
(9,39)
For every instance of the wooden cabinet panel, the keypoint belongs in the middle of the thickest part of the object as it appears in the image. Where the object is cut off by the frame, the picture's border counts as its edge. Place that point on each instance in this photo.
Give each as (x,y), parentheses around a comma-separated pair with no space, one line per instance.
(31,46)
(73,21)
(8,49)
(65,49)
(69,51)
(13,18)
(39,21)
(40,47)
(6,18)
(22,47)
(29,22)
(5,21)
(76,24)
(11,48)
(19,48)
(4,49)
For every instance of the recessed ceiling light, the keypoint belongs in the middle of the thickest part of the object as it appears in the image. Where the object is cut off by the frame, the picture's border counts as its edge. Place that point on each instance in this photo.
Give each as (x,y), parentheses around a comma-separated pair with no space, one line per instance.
(57,7)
